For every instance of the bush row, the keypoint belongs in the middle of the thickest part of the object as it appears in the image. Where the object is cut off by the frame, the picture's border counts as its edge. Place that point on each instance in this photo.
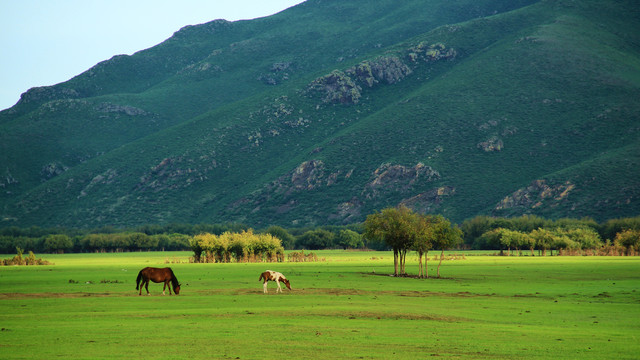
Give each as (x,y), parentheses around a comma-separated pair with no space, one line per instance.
(239,247)
(21,260)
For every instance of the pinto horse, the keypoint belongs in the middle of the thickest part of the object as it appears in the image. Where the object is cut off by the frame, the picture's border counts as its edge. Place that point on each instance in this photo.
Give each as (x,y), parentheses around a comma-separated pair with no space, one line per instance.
(274,276)
(157,275)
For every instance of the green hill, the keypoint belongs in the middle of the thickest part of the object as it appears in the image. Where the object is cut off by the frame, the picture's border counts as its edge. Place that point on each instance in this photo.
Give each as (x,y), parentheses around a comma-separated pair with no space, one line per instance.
(330,110)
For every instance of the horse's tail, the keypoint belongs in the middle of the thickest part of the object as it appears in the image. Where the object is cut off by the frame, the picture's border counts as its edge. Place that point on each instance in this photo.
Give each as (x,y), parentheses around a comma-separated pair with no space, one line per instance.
(261,276)
(138,280)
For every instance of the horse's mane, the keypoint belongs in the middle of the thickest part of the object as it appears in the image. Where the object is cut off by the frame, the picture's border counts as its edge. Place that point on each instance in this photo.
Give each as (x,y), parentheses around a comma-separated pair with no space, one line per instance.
(174,279)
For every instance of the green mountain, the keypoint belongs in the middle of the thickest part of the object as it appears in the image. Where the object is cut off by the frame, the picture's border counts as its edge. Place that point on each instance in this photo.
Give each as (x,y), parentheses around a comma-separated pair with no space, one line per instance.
(330,110)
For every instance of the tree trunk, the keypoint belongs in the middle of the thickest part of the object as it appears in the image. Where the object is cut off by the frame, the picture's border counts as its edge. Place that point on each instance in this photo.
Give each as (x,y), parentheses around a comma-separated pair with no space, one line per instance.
(395,262)
(404,262)
(426,259)
(441,257)
(420,265)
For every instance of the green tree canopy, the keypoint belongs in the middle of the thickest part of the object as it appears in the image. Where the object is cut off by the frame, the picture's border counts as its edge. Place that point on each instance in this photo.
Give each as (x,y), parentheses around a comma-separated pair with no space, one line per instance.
(288,240)
(445,236)
(57,243)
(315,240)
(349,239)
(397,227)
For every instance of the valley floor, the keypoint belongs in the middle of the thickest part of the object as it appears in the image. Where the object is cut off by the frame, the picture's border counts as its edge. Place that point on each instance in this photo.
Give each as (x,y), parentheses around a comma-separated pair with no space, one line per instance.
(346,306)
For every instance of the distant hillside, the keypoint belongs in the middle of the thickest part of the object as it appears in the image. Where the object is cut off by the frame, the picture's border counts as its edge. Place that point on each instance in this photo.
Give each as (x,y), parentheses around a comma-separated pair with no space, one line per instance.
(331,110)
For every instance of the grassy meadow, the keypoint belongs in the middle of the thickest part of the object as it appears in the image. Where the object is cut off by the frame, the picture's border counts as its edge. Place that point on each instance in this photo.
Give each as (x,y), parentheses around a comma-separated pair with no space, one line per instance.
(484,307)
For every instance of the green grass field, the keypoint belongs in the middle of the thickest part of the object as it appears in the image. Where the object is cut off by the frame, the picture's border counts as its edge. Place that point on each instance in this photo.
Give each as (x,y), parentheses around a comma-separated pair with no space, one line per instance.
(485,307)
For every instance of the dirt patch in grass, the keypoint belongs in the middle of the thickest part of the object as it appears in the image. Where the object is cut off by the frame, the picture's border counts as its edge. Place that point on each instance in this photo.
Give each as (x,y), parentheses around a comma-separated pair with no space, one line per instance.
(337,292)
(369,315)
(55,295)
(408,276)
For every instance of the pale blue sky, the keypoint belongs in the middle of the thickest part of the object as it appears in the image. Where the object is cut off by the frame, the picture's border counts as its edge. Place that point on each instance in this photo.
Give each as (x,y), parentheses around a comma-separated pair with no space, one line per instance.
(45,42)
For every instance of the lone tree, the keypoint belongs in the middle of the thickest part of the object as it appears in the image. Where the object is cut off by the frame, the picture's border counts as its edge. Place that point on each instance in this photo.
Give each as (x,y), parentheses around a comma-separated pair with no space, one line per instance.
(404,230)
(397,228)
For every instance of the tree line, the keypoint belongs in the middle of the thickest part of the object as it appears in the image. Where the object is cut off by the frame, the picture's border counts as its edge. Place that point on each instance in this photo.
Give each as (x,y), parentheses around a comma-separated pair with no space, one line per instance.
(566,236)
(524,234)
(170,237)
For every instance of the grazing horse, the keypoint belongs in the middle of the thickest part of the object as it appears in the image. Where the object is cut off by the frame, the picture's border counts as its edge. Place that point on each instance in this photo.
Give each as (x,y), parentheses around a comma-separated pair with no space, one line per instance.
(274,276)
(157,275)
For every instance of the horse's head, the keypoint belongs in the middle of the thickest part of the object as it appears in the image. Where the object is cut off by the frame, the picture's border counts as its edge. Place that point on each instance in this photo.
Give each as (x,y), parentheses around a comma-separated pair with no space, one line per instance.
(176,289)
(287,283)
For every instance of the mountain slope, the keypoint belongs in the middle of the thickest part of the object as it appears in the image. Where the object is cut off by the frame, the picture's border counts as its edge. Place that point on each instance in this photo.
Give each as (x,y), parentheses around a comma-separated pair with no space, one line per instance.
(505,114)
(199,69)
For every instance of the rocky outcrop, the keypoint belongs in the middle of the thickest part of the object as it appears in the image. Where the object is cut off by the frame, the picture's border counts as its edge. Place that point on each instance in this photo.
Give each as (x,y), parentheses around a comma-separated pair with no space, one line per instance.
(494,131)
(308,175)
(107,177)
(431,52)
(123,109)
(336,87)
(313,175)
(276,118)
(345,87)
(397,178)
(174,173)
(348,211)
(539,192)
(52,170)
(387,69)
(7,179)
(47,93)
(494,143)
(278,73)
(428,201)
(201,69)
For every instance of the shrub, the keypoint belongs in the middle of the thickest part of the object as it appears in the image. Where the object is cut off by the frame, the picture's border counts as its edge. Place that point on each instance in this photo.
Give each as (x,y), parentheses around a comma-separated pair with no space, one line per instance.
(302,257)
(29,260)
(630,240)
(241,247)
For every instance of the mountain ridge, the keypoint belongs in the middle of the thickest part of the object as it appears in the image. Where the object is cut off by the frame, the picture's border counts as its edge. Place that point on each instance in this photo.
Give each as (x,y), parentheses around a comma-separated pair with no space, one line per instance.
(305,148)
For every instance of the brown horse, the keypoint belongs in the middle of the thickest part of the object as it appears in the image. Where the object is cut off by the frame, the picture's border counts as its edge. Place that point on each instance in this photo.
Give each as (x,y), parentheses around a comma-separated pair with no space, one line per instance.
(157,275)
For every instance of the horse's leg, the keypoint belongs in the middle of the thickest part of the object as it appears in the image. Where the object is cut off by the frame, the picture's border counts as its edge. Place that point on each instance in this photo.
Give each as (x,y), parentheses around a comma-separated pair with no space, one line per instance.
(279,289)
(141,285)
(164,287)
(264,287)
(168,286)
(146,286)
